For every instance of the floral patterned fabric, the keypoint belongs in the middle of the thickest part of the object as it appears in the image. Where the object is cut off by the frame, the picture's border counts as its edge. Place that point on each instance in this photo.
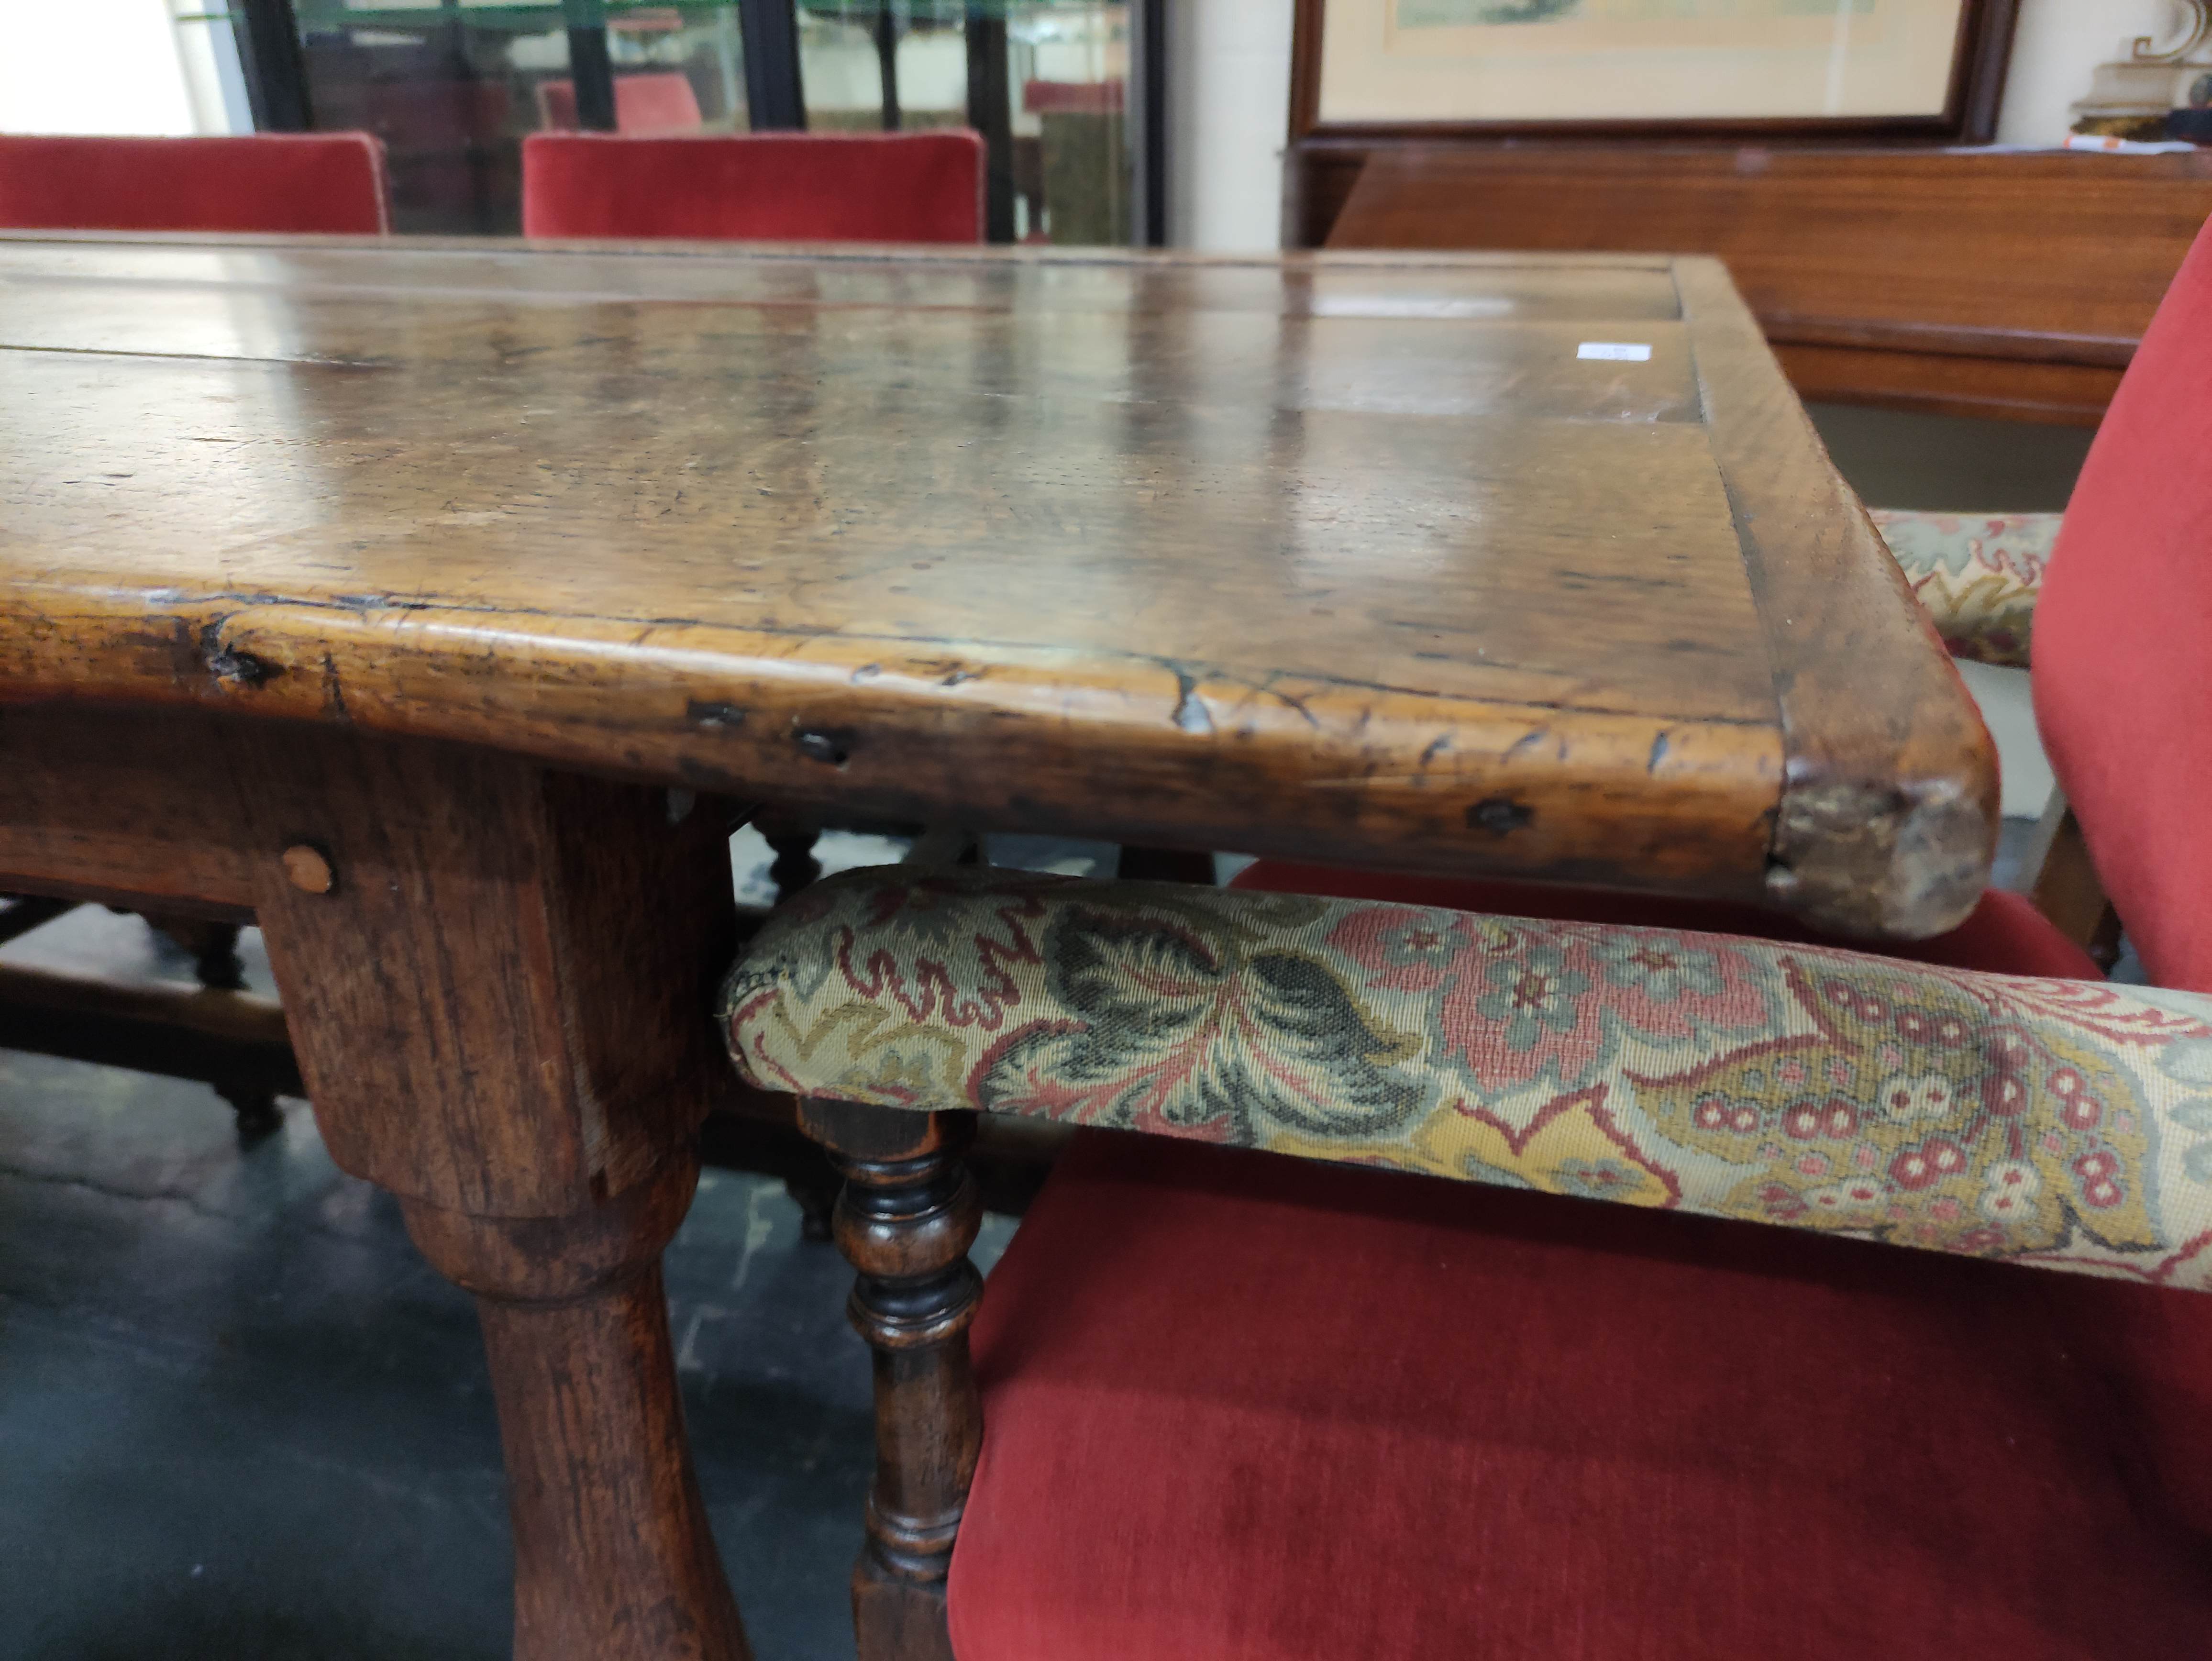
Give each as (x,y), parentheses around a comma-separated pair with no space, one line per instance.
(1977,575)
(2067,1122)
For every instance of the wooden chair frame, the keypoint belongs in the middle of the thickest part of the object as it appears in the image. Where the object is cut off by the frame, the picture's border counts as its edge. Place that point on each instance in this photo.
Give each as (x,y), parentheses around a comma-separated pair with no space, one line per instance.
(906,1216)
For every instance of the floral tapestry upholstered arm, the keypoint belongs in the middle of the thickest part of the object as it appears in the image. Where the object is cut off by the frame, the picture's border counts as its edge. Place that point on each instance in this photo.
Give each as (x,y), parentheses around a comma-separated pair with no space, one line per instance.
(2065,1122)
(1977,575)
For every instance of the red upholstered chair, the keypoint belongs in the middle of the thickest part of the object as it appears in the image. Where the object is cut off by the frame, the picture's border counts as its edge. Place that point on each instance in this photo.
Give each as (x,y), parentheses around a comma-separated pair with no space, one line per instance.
(643,104)
(1229,1404)
(315,181)
(767,187)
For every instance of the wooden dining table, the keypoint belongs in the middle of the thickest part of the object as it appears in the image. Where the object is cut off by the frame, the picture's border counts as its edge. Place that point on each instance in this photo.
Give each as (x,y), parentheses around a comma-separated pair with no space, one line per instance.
(435,603)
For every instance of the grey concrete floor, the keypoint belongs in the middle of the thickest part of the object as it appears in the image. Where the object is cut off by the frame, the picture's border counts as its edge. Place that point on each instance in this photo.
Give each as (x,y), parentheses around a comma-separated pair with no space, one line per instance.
(240,1418)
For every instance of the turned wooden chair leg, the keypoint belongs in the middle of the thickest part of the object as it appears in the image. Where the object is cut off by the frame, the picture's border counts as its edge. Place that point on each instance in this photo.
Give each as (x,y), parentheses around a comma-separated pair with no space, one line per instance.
(792,840)
(814,1192)
(215,963)
(213,948)
(908,1213)
(252,1107)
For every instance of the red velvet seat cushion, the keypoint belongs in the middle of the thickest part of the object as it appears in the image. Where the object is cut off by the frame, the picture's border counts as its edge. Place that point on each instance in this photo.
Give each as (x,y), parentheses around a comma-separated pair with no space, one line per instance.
(798,187)
(2005,933)
(312,181)
(1238,1407)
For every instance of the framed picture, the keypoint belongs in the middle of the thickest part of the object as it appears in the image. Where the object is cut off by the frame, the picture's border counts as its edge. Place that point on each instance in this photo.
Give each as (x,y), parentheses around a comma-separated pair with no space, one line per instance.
(1926,70)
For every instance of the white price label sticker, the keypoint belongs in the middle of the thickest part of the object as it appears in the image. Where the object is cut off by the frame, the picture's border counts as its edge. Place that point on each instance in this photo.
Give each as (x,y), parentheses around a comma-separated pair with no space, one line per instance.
(1615,351)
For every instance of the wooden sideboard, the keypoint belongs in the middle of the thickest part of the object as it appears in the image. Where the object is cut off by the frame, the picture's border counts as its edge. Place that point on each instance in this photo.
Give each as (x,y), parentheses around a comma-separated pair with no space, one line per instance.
(2012,284)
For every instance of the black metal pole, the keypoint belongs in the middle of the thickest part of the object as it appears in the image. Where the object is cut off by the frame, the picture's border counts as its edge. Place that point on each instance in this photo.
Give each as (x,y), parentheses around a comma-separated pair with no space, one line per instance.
(773,96)
(990,112)
(887,62)
(591,70)
(1147,123)
(274,65)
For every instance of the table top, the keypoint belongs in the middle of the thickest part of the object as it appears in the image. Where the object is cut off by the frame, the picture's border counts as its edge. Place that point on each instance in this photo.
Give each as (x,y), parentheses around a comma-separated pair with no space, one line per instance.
(1360,557)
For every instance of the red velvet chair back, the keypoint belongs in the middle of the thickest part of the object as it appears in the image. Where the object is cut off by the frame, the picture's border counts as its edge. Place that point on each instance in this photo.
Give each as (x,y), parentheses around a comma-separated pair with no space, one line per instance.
(643,104)
(768,187)
(2123,645)
(310,182)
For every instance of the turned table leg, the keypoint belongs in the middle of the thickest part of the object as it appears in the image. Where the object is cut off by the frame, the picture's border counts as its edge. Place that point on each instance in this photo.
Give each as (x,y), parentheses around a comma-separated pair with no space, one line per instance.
(908,1213)
(498,980)
(612,1553)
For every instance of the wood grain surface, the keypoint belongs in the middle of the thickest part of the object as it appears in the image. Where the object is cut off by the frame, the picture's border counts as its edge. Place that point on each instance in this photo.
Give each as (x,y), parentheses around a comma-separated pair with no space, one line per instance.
(1348,557)
(105,805)
(1877,820)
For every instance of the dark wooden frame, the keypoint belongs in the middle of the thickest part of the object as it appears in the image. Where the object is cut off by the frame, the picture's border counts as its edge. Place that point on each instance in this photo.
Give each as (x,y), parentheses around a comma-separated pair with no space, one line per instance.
(1978,63)
(1325,160)
(906,1215)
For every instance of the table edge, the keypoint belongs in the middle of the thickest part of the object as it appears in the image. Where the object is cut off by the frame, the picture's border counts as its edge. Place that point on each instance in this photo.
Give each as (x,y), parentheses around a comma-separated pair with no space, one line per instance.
(1883,828)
